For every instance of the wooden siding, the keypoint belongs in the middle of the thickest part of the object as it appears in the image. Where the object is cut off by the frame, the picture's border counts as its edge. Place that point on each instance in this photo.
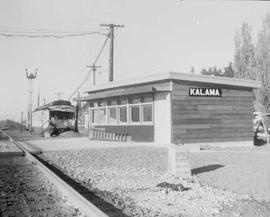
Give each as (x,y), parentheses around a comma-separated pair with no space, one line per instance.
(211,119)
(138,133)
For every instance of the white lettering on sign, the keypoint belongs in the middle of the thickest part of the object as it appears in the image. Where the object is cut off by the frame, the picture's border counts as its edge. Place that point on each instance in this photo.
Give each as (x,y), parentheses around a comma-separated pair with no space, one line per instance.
(205,92)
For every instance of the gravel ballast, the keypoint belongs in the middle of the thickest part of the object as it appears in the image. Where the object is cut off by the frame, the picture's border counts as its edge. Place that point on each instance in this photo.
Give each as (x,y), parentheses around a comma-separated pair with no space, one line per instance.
(128,177)
(25,191)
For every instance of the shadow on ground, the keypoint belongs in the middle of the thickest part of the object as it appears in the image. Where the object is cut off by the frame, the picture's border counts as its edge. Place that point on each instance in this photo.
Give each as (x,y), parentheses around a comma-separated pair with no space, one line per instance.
(259,142)
(207,168)
(103,205)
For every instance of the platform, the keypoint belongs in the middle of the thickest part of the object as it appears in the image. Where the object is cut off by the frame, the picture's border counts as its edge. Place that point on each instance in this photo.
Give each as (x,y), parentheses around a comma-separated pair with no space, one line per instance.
(8,148)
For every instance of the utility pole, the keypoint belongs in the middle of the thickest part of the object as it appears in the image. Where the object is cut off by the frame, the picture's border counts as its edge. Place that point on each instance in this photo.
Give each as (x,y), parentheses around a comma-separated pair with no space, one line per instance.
(77,113)
(38,98)
(30,78)
(21,121)
(58,94)
(111,35)
(94,68)
(44,101)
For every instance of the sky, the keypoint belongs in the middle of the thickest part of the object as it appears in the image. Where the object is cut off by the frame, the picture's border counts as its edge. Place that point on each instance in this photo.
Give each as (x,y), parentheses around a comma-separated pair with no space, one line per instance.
(158,36)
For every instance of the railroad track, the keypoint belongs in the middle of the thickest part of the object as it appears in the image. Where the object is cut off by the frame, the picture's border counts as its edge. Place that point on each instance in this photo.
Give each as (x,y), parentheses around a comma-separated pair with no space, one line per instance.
(75,194)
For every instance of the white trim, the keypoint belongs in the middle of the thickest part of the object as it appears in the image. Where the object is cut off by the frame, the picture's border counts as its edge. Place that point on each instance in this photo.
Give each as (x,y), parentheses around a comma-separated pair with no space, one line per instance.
(180,77)
(162,117)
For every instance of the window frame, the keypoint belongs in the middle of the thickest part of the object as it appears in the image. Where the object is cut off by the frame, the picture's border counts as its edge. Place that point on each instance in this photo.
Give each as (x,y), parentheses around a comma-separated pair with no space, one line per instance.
(128,107)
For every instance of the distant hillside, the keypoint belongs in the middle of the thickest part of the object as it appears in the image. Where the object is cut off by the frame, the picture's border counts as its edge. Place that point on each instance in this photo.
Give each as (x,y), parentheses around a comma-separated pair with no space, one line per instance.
(10,124)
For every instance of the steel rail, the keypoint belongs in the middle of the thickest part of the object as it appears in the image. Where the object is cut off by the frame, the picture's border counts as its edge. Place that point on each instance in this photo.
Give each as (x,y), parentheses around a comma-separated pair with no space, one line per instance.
(77,200)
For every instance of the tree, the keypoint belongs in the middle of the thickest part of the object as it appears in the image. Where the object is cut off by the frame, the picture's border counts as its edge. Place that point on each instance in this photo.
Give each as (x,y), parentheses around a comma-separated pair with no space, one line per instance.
(228,71)
(262,56)
(192,70)
(210,71)
(244,58)
(204,71)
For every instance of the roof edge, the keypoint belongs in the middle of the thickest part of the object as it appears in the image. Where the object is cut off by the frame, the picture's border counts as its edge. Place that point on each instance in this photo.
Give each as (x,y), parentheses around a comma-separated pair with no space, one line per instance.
(215,80)
(176,76)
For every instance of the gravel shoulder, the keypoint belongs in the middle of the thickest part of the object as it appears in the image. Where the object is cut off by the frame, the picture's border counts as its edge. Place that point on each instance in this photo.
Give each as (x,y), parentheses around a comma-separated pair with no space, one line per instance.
(223,182)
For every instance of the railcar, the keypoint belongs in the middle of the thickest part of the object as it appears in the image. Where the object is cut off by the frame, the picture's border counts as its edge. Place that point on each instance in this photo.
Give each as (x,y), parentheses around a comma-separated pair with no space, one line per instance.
(56,117)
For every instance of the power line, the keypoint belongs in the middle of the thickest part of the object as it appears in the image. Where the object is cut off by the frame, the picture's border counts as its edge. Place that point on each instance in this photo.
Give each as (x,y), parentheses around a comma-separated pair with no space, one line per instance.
(111,36)
(38,30)
(49,35)
(89,72)
(101,50)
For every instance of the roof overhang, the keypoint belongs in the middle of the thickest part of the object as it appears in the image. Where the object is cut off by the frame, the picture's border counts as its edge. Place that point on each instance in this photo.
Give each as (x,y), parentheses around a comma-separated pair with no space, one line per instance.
(118,88)
(62,108)
(215,80)
(124,91)
(181,77)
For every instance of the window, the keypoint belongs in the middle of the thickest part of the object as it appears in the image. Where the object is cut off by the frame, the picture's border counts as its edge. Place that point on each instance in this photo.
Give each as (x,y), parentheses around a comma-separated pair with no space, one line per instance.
(112,115)
(135,114)
(147,113)
(94,116)
(123,114)
(102,116)
(122,110)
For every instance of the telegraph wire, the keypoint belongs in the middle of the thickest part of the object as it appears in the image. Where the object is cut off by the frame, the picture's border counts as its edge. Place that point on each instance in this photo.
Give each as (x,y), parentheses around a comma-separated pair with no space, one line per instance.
(49,35)
(89,72)
(101,50)
(43,33)
(39,33)
(38,30)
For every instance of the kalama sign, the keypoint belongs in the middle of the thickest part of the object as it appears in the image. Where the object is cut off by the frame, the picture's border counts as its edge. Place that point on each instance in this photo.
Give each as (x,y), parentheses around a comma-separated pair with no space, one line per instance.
(212,92)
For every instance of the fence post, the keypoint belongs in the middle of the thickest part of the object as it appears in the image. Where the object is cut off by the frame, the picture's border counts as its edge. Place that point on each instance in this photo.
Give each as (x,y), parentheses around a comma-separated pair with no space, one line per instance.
(178,161)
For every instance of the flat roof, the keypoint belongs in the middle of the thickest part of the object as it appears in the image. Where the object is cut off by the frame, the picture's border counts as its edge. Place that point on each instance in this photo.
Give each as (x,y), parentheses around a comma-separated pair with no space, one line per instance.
(176,76)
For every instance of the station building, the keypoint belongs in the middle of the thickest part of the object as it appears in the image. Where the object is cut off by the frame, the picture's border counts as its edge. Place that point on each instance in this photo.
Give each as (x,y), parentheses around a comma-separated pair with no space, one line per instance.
(170,107)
